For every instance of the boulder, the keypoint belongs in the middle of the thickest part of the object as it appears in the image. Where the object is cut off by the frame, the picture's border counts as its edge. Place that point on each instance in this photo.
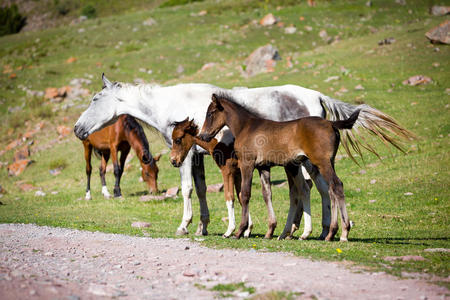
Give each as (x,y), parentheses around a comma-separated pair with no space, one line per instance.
(440,34)
(22,153)
(140,225)
(172,192)
(63,131)
(17,167)
(416,80)
(268,20)
(215,188)
(25,187)
(437,10)
(262,60)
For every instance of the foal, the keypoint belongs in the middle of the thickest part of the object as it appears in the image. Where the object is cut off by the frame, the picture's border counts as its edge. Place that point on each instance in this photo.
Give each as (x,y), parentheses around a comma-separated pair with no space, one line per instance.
(126,133)
(261,142)
(184,136)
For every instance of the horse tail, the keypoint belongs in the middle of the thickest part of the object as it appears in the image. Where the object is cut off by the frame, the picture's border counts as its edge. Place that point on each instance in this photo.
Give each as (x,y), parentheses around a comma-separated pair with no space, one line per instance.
(347,123)
(97,153)
(376,122)
(132,125)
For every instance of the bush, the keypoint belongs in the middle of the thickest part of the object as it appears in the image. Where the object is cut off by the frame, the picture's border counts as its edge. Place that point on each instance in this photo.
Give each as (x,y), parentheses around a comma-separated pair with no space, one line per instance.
(89,11)
(62,7)
(11,21)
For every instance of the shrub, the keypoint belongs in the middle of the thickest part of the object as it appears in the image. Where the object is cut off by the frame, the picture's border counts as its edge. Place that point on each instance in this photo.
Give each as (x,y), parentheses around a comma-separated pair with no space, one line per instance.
(62,7)
(89,11)
(11,21)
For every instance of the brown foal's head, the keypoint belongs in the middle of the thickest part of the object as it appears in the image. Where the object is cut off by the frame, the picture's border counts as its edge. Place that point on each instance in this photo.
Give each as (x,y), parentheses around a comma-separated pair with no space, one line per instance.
(150,173)
(182,140)
(214,121)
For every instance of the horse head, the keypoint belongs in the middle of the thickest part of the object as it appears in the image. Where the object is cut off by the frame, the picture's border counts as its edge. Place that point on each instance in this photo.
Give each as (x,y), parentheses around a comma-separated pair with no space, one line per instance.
(103,110)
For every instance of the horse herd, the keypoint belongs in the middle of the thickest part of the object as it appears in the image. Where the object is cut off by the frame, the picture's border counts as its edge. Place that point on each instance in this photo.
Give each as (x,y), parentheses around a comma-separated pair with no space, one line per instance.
(242,129)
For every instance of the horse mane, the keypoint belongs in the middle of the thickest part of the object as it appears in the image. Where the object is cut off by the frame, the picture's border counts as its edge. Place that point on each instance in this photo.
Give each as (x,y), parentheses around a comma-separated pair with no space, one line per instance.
(227,97)
(132,125)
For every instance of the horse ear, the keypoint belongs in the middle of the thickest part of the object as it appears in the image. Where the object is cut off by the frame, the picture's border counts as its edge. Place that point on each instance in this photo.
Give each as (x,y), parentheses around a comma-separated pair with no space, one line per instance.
(106,82)
(215,100)
(157,157)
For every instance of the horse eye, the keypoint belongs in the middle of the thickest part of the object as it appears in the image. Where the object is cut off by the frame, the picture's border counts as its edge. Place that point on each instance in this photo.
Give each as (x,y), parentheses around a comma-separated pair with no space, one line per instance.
(178,141)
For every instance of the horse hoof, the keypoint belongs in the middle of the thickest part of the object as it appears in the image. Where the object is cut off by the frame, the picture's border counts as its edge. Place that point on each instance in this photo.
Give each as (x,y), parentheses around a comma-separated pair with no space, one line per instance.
(225,236)
(182,231)
(303,238)
(343,239)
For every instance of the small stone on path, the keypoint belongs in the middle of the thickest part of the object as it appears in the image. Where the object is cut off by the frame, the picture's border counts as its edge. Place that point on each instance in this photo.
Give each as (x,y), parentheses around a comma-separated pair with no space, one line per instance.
(140,225)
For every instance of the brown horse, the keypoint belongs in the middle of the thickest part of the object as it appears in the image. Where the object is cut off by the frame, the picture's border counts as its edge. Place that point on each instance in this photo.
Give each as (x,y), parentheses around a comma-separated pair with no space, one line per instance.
(126,133)
(184,136)
(261,142)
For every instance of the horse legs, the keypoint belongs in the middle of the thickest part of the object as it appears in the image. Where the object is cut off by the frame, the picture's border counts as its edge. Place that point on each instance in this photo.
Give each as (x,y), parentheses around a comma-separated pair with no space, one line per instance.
(123,157)
(87,157)
(117,170)
(336,191)
(322,187)
(237,186)
(228,186)
(246,188)
(293,208)
(198,171)
(105,158)
(264,174)
(186,190)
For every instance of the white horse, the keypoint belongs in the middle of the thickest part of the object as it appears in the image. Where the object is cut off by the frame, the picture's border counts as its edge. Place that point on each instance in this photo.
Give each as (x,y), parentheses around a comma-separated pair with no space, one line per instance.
(160,107)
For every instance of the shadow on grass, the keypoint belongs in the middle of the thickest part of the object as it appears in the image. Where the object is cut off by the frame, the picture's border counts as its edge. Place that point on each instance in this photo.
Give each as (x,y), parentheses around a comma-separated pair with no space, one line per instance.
(399,240)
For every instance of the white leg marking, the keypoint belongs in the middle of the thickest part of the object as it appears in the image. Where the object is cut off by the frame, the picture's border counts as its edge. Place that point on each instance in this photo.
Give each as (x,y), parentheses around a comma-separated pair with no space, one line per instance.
(88,195)
(250,227)
(105,192)
(186,190)
(231,219)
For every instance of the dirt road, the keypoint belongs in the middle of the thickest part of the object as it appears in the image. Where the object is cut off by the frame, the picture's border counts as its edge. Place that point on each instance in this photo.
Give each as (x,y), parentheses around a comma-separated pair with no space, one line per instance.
(55,263)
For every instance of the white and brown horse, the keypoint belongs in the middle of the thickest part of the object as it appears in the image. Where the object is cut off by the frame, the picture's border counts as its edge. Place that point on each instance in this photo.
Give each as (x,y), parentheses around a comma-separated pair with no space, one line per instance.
(159,107)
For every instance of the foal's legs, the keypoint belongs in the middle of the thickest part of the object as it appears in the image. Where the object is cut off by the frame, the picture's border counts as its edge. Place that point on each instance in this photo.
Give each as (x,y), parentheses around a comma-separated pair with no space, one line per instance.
(294,205)
(198,171)
(186,190)
(228,186)
(336,191)
(322,187)
(105,158)
(87,157)
(264,174)
(237,186)
(246,189)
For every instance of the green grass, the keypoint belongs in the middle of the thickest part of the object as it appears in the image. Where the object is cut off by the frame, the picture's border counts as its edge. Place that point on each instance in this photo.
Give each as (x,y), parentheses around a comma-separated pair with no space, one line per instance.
(393,225)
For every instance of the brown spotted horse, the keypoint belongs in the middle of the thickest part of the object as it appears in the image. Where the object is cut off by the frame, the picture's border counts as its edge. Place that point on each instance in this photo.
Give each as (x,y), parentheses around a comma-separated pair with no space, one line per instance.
(261,142)
(124,134)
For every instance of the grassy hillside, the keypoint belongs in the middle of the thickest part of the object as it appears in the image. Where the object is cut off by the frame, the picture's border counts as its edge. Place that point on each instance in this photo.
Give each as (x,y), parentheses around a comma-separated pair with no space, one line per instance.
(400,204)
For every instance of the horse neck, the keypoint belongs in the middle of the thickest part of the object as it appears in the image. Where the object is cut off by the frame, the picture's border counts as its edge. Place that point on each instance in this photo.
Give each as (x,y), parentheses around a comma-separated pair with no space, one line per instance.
(236,117)
(138,142)
(139,103)
(209,146)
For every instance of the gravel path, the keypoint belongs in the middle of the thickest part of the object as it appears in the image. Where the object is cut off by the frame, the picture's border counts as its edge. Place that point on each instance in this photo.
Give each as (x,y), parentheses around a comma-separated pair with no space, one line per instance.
(56,263)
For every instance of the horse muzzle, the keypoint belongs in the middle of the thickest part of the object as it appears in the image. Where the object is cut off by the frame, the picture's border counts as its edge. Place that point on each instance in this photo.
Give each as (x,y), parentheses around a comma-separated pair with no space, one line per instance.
(80,133)
(205,137)
(175,163)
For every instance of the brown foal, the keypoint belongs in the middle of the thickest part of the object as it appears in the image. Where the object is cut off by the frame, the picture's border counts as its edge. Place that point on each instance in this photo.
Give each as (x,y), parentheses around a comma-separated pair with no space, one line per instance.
(260,142)
(126,133)
(184,136)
